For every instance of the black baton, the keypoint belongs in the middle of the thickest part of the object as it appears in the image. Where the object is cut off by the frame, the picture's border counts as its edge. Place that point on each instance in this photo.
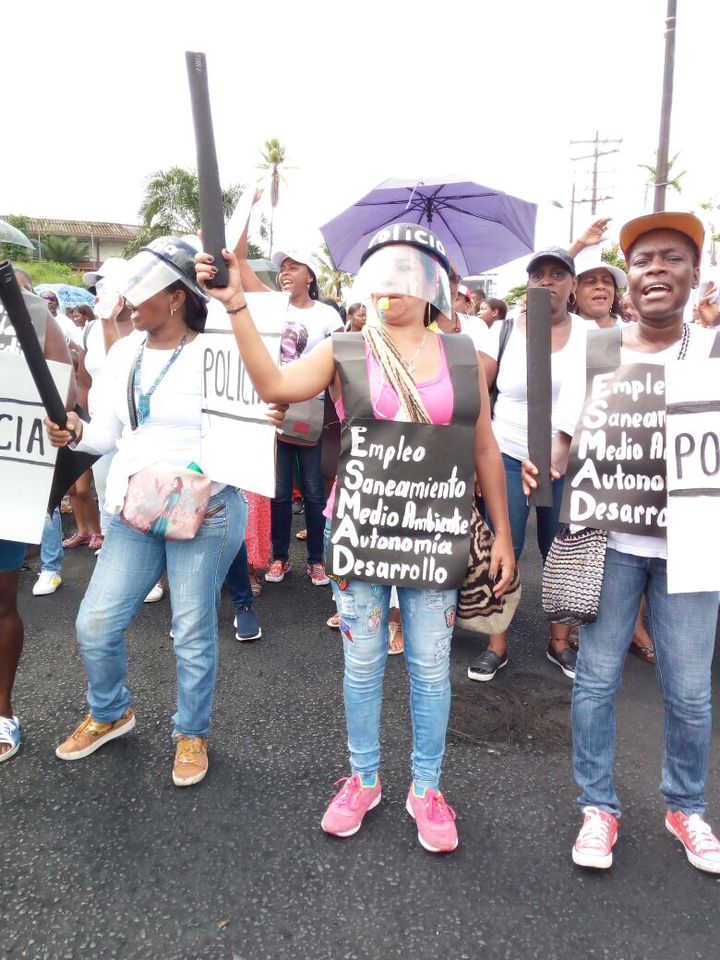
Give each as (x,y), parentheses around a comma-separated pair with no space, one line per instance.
(212,215)
(539,391)
(12,298)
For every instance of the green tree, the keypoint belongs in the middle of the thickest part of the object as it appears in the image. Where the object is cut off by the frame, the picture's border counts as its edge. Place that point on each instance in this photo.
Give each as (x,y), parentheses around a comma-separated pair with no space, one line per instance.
(13,251)
(331,280)
(673,182)
(614,256)
(63,249)
(515,294)
(712,209)
(171,206)
(273,158)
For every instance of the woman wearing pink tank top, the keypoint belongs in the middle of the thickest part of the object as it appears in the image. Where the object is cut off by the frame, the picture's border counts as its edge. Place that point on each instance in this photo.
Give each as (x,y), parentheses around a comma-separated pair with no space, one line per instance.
(403,277)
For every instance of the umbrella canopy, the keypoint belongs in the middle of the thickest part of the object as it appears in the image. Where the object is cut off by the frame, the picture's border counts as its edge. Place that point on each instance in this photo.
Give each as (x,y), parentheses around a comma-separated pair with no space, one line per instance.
(68,296)
(479,227)
(11,234)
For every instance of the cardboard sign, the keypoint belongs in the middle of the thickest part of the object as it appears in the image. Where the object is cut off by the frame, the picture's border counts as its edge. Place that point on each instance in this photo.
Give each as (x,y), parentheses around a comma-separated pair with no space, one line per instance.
(402,504)
(238,443)
(27,460)
(616,472)
(693,476)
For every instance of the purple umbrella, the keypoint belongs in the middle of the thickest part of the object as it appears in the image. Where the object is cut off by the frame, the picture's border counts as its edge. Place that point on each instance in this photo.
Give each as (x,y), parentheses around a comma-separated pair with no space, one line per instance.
(480,228)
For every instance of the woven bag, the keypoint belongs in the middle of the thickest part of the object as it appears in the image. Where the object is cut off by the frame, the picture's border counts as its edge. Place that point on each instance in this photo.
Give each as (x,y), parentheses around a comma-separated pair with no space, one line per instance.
(573,576)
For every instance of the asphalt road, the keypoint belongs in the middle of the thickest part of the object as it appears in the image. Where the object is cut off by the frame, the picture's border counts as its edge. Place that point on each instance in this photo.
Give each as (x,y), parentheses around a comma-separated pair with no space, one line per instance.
(106,858)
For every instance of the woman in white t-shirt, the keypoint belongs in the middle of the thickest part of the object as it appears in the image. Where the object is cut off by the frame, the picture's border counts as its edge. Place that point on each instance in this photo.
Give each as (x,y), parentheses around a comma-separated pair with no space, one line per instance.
(460,322)
(309,322)
(169,308)
(662,251)
(553,269)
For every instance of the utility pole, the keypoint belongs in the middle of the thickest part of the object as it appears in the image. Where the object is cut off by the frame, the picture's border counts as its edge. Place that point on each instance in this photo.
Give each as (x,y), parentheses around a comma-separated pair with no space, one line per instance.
(661,167)
(595,156)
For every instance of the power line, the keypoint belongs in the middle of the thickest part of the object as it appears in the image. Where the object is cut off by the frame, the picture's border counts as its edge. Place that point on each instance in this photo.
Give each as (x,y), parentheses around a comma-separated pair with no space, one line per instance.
(595,156)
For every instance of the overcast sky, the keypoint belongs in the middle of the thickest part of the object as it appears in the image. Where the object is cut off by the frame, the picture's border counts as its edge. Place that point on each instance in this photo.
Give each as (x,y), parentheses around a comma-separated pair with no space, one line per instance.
(358,92)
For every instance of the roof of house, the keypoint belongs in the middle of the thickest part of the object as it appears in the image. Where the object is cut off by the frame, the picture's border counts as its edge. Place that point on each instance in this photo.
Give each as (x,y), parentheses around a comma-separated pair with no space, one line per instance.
(83,228)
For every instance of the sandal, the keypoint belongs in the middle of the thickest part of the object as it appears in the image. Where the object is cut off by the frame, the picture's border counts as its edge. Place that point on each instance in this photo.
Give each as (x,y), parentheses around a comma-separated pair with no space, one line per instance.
(334,621)
(255,585)
(395,639)
(645,651)
(95,541)
(574,638)
(76,540)
(301,535)
(9,733)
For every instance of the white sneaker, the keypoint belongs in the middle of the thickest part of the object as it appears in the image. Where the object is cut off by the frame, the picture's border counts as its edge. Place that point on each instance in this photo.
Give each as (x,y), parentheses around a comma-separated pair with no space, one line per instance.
(157,593)
(47,582)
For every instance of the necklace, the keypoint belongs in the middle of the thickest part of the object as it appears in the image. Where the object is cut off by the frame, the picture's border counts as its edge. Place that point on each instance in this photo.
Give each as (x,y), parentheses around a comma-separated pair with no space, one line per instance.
(143,404)
(410,364)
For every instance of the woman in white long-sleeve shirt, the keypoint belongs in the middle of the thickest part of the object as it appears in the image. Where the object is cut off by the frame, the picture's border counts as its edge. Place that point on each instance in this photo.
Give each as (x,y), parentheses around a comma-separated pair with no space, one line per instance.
(170,309)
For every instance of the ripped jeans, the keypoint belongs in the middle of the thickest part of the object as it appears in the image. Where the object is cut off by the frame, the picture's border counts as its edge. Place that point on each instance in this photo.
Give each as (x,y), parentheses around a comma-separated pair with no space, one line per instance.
(428,618)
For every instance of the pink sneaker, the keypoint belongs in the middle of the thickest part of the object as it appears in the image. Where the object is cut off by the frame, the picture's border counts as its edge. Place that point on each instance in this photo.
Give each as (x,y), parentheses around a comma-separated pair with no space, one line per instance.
(348,807)
(701,845)
(593,847)
(435,820)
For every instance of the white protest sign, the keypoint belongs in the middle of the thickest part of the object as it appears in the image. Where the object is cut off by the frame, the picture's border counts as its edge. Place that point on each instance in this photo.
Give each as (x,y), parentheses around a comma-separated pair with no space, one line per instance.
(27,460)
(238,443)
(693,475)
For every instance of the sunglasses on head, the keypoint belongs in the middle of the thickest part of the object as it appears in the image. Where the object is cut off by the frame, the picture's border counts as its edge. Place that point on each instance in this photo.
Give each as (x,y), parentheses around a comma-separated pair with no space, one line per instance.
(454,276)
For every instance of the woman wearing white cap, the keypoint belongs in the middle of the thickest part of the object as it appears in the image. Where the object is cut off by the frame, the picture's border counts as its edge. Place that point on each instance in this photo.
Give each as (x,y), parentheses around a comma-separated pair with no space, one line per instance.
(598,290)
(308,323)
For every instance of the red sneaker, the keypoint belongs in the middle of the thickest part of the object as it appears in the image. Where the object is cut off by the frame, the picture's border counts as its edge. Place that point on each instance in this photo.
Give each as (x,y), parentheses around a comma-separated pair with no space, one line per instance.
(593,847)
(316,572)
(345,814)
(701,845)
(277,571)
(435,820)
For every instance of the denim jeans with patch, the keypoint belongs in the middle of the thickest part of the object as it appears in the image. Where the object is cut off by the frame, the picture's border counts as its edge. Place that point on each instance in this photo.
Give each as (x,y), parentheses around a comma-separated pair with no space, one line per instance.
(682,626)
(428,618)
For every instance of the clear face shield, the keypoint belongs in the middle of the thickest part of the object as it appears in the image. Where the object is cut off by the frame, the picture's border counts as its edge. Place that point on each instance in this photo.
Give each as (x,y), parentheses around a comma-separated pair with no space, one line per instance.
(400,269)
(147,275)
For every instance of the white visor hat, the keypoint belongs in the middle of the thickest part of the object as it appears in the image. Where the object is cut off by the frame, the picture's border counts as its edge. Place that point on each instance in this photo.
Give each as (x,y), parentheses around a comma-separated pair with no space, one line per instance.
(401,269)
(147,275)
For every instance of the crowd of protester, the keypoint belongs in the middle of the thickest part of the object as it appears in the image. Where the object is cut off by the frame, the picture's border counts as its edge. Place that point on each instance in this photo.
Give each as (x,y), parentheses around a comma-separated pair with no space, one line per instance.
(155,342)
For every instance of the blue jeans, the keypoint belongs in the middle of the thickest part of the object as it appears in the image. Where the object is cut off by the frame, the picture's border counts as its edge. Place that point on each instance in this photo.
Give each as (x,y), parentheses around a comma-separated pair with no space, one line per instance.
(428,617)
(238,579)
(313,491)
(51,548)
(683,630)
(548,522)
(129,564)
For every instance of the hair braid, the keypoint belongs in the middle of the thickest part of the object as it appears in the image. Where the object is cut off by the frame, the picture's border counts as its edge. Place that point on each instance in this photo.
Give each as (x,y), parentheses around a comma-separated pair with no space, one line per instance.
(390,362)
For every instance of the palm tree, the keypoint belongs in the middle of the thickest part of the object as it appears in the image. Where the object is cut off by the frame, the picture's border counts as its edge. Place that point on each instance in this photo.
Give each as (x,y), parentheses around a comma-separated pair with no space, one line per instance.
(331,280)
(171,206)
(274,156)
(64,249)
(672,182)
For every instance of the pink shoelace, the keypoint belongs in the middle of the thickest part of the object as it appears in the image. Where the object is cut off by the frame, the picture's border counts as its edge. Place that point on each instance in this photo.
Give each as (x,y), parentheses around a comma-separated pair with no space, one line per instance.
(349,796)
(438,810)
(595,831)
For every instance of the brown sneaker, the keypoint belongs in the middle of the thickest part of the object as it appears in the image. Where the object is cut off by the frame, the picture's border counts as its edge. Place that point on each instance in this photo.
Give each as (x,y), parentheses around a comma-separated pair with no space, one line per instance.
(92,734)
(191,761)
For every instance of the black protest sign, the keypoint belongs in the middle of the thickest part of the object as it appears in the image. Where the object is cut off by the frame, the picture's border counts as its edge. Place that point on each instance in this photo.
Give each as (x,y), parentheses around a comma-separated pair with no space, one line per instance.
(616,476)
(402,504)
